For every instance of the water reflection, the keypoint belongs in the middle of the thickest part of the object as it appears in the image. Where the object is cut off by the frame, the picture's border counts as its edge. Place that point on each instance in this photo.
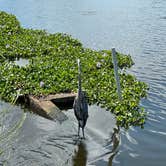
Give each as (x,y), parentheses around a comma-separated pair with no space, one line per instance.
(115,140)
(80,155)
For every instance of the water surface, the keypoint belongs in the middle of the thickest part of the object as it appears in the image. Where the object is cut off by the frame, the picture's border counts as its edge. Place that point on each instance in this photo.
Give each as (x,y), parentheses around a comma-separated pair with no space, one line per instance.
(135,27)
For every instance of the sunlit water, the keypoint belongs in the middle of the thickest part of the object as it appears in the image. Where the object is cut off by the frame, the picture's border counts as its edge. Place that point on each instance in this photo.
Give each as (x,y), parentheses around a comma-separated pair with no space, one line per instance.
(135,27)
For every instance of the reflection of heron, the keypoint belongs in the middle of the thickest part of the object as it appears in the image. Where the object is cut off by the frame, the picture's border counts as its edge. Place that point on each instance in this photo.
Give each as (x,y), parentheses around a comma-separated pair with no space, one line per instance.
(80,156)
(80,104)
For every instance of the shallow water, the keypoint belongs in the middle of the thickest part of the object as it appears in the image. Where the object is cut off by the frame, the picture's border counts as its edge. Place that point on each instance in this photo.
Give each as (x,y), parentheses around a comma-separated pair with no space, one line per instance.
(21,62)
(135,27)
(28,139)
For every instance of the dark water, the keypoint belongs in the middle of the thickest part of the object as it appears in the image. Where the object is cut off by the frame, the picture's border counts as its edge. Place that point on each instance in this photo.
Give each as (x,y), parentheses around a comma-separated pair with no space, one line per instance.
(135,27)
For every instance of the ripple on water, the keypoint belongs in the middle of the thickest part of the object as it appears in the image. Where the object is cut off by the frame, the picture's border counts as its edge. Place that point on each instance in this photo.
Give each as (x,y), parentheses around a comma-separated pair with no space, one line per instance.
(11,120)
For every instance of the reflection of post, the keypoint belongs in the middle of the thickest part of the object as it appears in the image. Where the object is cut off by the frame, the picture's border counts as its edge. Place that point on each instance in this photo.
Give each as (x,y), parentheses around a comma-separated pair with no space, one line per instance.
(114,59)
(115,139)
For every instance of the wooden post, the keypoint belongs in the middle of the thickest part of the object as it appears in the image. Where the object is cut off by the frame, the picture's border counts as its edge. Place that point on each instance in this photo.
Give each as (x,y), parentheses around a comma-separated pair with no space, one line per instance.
(114,59)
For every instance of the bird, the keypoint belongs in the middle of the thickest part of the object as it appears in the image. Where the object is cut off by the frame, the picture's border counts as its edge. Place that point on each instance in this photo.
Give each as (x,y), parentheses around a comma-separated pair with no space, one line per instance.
(80,105)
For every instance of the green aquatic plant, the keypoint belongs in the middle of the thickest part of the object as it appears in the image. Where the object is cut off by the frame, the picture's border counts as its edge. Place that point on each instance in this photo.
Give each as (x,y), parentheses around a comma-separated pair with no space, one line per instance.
(52,69)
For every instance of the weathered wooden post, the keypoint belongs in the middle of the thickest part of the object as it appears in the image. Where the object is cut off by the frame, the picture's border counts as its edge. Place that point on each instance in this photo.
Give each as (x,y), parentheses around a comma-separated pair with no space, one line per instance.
(114,59)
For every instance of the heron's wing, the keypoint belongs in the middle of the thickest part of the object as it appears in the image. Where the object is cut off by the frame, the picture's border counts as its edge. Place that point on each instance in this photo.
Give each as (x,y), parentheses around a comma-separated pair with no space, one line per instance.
(84,105)
(84,110)
(80,109)
(77,109)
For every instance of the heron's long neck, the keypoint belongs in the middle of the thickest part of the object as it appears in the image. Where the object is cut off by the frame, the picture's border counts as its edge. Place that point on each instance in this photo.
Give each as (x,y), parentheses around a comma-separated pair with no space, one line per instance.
(79,80)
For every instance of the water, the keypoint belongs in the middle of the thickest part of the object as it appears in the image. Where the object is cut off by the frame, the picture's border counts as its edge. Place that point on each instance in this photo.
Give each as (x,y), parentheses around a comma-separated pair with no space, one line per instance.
(28,139)
(22,62)
(11,121)
(135,27)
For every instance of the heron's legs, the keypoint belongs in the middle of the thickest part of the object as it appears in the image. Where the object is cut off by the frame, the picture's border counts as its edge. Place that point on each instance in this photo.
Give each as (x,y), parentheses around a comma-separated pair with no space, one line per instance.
(78,130)
(83,133)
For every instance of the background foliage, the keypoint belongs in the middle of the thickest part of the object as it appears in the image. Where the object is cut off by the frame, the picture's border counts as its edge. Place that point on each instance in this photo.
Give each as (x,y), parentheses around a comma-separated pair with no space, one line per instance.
(52,62)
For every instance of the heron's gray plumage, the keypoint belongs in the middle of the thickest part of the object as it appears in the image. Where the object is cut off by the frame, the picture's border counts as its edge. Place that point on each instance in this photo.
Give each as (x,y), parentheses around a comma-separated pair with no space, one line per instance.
(80,104)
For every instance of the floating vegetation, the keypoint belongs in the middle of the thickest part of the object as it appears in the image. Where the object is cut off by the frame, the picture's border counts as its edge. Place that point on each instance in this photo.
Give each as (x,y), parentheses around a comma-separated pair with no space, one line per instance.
(52,62)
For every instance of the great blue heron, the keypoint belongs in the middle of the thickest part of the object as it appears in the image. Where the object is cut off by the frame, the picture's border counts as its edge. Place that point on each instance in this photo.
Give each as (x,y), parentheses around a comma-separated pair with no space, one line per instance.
(80,104)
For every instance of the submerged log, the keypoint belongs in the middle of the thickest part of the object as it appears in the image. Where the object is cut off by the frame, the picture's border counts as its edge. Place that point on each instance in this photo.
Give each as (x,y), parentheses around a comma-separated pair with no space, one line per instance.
(47,107)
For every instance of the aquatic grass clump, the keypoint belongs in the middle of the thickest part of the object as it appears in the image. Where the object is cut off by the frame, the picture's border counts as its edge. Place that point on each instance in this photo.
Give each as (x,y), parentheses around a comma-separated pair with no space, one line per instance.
(53,69)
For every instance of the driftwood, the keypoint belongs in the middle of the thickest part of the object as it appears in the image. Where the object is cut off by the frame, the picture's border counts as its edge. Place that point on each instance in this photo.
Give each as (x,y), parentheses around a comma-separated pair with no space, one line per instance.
(50,106)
